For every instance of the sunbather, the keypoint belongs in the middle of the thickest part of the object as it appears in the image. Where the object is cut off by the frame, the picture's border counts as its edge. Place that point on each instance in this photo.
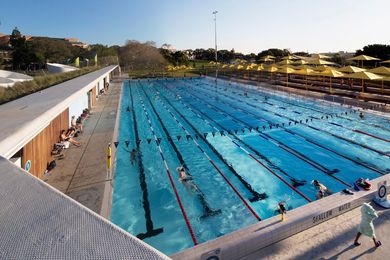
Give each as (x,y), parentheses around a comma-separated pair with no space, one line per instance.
(66,137)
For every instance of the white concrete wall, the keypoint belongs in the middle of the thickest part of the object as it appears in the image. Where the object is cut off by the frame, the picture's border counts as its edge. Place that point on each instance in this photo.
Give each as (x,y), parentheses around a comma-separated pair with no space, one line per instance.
(76,107)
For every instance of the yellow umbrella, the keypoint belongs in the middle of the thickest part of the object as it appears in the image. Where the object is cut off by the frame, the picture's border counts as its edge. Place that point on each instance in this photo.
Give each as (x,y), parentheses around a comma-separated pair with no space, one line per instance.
(320,62)
(290,57)
(304,67)
(362,58)
(287,70)
(271,69)
(224,66)
(350,69)
(331,73)
(306,72)
(364,75)
(322,68)
(232,66)
(300,62)
(265,59)
(268,57)
(386,61)
(384,79)
(240,66)
(380,70)
(284,62)
(320,56)
(260,67)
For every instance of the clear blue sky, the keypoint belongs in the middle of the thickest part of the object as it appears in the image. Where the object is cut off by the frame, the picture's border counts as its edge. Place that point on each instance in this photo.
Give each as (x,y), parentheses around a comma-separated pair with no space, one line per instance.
(245,25)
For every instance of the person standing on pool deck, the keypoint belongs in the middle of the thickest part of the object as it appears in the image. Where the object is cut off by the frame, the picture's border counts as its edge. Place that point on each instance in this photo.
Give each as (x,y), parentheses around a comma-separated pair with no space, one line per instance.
(366,227)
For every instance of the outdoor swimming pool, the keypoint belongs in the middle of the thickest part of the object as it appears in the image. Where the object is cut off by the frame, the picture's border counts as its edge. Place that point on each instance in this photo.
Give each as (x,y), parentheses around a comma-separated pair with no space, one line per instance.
(245,149)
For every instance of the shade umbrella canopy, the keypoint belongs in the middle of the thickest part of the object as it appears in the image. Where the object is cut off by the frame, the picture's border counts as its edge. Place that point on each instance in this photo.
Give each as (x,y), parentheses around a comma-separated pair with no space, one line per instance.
(224,66)
(286,70)
(320,56)
(284,62)
(260,67)
(290,57)
(300,62)
(365,76)
(303,67)
(363,57)
(331,73)
(322,68)
(320,62)
(285,66)
(268,57)
(232,66)
(351,69)
(305,71)
(380,70)
(265,59)
(240,67)
(271,69)
(386,61)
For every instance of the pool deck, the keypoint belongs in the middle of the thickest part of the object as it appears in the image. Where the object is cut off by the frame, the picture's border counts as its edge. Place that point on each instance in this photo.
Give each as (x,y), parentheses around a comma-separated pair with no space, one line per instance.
(332,239)
(82,174)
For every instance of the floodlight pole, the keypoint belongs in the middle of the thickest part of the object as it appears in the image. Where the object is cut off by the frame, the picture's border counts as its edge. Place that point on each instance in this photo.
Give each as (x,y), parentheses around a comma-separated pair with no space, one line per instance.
(216,50)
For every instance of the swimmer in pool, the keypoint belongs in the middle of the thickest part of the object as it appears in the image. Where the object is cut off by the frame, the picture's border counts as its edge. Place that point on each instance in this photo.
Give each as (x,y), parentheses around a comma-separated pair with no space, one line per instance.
(185,179)
(361,115)
(323,191)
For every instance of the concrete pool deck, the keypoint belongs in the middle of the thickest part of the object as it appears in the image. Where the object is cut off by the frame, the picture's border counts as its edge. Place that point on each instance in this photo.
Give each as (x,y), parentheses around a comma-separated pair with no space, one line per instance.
(332,239)
(82,173)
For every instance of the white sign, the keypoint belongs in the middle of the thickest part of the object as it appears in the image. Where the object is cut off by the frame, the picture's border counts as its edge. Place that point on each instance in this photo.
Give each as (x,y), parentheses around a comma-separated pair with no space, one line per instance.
(381,195)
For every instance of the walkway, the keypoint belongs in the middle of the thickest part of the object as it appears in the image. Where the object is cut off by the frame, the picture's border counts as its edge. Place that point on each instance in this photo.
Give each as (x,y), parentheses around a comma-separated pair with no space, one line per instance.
(332,239)
(82,173)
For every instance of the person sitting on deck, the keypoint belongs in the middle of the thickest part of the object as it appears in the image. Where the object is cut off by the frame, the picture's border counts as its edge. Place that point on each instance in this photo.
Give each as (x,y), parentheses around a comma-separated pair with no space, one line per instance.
(66,136)
(323,191)
(76,125)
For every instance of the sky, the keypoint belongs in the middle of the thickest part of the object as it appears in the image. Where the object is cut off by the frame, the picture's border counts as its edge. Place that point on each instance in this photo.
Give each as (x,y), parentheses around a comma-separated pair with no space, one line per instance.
(245,25)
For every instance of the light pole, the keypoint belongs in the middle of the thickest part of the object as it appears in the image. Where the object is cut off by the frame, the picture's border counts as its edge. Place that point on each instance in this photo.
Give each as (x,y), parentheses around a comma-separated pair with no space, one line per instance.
(216,50)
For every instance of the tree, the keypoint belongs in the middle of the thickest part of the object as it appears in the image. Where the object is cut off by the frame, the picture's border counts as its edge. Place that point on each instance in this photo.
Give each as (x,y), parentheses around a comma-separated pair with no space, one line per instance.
(380,51)
(277,53)
(16,39)
(53,50)
(135,55)
(104,51)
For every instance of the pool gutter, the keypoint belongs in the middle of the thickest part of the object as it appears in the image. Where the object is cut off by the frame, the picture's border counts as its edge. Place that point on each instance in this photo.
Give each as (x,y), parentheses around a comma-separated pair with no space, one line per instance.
(105,211)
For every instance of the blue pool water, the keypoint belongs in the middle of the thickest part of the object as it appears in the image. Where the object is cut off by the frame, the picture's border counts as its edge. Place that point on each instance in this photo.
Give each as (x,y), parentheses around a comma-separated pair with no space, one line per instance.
(238,144)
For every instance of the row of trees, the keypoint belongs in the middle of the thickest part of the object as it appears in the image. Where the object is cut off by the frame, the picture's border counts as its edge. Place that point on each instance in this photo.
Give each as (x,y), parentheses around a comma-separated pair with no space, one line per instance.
(36,52)
(135,55)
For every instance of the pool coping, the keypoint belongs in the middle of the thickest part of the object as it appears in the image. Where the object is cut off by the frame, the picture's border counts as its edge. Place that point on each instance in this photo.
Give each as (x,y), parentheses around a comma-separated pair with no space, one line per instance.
(259,235)
(105,211)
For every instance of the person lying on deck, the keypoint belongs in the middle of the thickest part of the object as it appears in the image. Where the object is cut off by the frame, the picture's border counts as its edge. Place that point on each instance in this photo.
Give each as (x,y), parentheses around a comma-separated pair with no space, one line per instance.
(66,136)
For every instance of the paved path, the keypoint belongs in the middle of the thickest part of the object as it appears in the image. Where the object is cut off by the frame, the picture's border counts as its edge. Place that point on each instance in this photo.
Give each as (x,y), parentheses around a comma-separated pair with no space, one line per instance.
(82,173)
(332,240)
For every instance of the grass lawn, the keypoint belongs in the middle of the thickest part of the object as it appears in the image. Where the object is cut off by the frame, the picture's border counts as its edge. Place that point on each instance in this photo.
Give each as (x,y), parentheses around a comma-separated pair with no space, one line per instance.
(21,89)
